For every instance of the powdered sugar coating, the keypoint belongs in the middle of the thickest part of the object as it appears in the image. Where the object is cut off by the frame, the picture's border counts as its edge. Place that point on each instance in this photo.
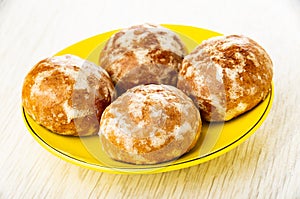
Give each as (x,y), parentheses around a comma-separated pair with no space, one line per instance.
(143,54)
(226,76)
(67,94)
(151,122)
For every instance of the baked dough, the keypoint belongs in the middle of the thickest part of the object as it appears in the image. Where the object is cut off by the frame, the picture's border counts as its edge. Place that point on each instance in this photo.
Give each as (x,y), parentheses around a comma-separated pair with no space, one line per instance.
(142,54)
(226,76)
(67,95)
(150,124)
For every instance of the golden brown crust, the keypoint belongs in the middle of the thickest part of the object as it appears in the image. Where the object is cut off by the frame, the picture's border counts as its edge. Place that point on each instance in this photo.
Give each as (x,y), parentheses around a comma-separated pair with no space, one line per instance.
(142,54)
(150,124)
(67,95)
(226,76)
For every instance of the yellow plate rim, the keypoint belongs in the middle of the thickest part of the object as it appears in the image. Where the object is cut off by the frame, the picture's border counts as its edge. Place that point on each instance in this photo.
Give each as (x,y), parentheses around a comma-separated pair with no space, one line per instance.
(162,168)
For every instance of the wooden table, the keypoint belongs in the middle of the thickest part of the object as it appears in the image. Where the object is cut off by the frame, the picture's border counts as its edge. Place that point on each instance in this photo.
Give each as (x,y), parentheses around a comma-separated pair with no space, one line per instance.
(266,166)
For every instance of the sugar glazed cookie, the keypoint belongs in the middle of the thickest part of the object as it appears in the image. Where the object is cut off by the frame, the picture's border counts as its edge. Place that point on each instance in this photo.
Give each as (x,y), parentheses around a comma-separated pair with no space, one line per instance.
(150,124)
(226,76)
(143,54)
(67,95)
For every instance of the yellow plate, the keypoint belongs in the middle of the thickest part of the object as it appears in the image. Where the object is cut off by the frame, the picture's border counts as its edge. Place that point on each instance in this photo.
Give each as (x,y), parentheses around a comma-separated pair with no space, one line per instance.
(216,138)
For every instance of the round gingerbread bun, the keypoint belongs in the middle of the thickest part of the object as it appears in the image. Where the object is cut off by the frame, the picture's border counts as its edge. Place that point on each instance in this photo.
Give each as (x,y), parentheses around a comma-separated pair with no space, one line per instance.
(143,54)
(226,76)
(150,124)
(67,95)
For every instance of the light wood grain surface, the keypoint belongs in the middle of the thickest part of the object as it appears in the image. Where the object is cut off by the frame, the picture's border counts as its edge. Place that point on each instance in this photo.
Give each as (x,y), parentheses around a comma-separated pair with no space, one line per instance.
(266,166)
